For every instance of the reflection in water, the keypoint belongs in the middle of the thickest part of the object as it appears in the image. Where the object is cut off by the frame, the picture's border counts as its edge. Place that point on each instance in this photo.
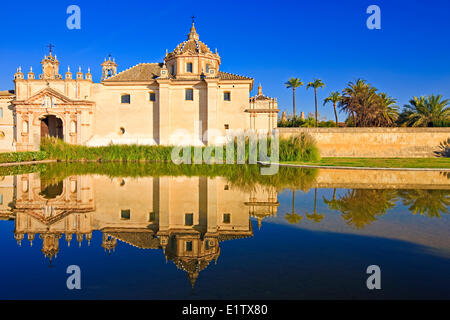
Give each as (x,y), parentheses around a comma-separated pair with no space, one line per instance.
(360,207)
(186,216)
(426,202)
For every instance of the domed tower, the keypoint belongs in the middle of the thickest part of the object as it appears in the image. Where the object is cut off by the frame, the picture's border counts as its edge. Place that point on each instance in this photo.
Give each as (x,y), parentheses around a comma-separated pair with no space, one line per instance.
(192,59)
(109,68)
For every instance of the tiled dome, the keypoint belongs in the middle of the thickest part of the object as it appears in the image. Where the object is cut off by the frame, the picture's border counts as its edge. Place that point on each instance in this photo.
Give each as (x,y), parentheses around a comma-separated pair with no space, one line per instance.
(191,45)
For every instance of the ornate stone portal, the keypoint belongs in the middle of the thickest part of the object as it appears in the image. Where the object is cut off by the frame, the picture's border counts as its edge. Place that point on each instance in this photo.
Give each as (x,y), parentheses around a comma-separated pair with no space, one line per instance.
(41,109)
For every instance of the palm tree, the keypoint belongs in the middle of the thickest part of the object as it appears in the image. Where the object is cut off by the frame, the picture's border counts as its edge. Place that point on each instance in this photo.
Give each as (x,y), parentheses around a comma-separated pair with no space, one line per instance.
(317,83)
(388,110)
(293,218)
(426,202)
(360,207)
(334,98)
(315,216)
(426,111)
(293,83)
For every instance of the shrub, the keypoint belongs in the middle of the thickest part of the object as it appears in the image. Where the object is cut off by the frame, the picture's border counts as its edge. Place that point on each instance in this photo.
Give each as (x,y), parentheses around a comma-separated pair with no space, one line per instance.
(301,147)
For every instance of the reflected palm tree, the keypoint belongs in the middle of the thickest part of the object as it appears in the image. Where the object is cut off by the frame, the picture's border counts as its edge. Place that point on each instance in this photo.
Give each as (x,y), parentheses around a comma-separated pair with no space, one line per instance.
(315,216)
(293,218)
(332,204)
(361,207)
(426,202)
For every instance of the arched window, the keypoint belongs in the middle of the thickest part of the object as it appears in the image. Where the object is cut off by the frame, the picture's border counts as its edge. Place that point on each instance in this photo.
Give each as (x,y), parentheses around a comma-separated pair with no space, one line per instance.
(73,126)
(25,127)
(125,98)
(152,96)
(207,67)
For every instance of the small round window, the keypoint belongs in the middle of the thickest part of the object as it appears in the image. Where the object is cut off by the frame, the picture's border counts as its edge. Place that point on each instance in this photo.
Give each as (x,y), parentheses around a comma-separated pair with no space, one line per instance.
(121,130)
(2,135)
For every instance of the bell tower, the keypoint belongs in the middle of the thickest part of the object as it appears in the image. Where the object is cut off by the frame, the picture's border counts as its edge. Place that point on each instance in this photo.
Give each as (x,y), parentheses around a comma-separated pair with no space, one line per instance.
(50,66)
(109,68)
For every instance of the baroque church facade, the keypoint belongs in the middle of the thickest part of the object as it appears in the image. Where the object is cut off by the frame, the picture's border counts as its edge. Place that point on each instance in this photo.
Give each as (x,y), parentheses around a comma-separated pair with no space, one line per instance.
(185,100)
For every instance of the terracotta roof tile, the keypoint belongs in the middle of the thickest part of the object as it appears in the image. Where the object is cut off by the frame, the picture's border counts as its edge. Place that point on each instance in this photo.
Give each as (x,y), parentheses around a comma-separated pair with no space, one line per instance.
(7,93)
(140,72)
(230,76)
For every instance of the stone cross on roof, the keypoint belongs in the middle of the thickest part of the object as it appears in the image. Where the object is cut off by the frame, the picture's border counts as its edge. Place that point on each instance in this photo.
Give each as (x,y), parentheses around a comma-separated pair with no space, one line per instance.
(50,46)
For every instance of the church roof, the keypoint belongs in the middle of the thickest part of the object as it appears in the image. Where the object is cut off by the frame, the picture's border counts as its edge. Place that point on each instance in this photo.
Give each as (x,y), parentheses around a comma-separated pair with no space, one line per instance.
(192,45)
(143,239)
(6,93)
(140,72)
(151,71)
(230,76)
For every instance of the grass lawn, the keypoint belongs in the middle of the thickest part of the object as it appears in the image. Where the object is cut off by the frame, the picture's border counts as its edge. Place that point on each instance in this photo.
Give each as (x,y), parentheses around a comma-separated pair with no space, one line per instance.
(380,162)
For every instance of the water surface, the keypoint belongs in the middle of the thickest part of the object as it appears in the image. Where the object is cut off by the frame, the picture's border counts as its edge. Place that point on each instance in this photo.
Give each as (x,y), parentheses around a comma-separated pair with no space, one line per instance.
(170,232)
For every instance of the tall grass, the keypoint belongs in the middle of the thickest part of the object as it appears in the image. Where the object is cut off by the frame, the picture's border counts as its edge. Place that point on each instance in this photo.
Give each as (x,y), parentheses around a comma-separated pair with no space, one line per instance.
(242,176)
(300,147)
(297,148)
(22,156)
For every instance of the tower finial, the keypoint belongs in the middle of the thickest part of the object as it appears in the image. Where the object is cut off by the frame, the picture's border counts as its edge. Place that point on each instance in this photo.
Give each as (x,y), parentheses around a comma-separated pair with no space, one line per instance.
(50,46)
(193,34)
(260,90)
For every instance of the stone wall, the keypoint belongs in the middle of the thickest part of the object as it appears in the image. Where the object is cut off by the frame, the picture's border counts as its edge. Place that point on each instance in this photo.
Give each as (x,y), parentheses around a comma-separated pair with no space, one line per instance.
(374,142)
(382,179)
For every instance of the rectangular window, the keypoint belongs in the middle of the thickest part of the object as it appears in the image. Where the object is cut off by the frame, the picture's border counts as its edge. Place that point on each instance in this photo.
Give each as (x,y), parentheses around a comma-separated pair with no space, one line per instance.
(152,96)
(227,126)
(189,219)
(189,67)
(226,217)
(188,245)
(189,94)
(227,96)
(125,98)
(152,217)
(1,112)
(1,198)
(125,214)
(226,187)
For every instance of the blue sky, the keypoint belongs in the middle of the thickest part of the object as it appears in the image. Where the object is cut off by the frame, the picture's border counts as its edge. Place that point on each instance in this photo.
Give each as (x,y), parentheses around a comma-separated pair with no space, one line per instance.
(270,41)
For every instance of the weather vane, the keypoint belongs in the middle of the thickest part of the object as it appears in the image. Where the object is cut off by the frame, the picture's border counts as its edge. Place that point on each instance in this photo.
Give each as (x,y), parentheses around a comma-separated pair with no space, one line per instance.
(193,18)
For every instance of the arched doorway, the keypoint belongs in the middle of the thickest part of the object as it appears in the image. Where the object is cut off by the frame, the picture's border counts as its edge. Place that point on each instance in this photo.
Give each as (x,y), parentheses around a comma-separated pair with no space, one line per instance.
(51,126)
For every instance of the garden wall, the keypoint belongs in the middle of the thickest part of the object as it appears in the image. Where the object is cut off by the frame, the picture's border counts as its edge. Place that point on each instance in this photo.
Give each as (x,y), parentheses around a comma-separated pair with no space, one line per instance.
(374,142)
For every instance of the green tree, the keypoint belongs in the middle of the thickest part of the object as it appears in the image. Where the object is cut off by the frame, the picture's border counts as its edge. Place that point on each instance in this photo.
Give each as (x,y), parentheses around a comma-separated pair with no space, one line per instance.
(293,218)
(334,98)
(293,83)
(426,111)
(315,216)
(317,83)
(426,202)
(388,110)
(360,207)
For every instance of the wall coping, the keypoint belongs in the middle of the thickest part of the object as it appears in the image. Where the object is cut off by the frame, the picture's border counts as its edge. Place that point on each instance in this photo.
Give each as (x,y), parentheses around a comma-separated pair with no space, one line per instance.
(366,130)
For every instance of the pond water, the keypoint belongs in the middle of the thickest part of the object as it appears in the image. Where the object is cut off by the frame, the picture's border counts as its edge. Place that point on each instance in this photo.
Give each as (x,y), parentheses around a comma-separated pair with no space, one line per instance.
(153,231)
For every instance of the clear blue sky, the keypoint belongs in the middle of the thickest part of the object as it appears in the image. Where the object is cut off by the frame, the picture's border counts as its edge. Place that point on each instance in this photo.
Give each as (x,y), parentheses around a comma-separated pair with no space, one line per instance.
(267,40)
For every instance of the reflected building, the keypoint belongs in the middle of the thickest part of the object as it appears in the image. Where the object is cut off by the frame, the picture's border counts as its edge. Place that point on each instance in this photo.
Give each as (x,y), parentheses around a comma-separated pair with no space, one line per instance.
(185,217)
